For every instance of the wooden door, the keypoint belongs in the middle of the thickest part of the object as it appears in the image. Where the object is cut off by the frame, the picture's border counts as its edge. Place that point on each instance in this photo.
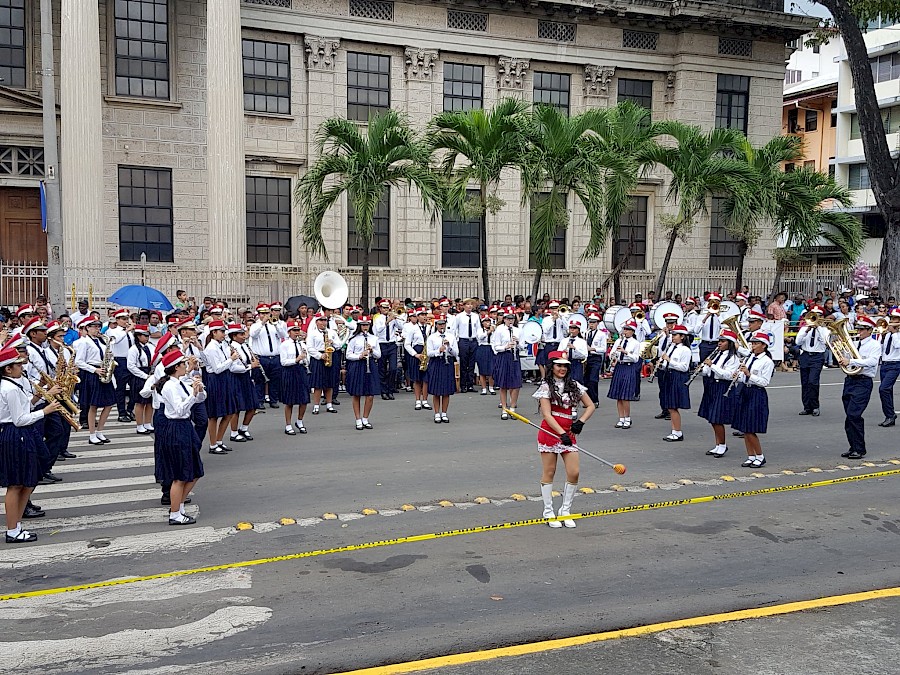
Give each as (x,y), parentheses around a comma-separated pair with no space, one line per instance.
(21,238)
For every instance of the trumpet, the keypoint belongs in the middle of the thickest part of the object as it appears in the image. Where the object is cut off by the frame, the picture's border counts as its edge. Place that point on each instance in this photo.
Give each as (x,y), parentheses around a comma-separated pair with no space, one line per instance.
(881,325)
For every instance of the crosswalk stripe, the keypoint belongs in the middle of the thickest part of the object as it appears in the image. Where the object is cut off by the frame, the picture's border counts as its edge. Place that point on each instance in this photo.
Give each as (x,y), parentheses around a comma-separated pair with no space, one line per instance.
(156,515)
(105,483)
(84,501)
(119,441)
(104,466)
(108,452)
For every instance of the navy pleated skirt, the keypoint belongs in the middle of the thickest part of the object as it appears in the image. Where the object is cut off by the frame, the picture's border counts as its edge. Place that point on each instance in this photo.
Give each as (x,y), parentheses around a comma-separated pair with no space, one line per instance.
(413,364)
(541,358)
(577,370)
(361,383)
(245,391)
(714,407)
(94,392)
(441,376)
(221,397)
(673,393)
(24,456)
(507,371)
(160,431)
(295,385)
(136,384)
(484,359)
(751,414)
(179,452)
(624,382)
(322,377)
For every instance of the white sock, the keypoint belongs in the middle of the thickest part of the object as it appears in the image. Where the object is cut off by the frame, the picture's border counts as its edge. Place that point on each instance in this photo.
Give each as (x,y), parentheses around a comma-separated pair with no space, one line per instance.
(148,427)
(627,419)
(234,434)
(365,420)
(140,427)
(358,421)
(94,437)
(299,423)
(760,456)
(181,508)
(244,427)
(621,419)
(288,427)
(14,532)
(177,516)
(676,433)
(101,436)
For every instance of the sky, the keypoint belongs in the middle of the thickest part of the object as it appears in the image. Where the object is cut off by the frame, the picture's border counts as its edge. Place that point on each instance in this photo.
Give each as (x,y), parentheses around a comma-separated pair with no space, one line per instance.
(805,7)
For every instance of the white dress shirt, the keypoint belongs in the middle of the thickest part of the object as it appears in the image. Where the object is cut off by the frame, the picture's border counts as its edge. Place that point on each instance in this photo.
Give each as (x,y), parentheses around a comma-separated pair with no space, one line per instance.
(179,398)
(89,353)
(709,328)
(15,405)
(242,363)
(692,321)
(761,368)
(357,344)
(554,329)
(500,338)
(466,326)
(381,328)
(435,340)
(315,342)
(484,337)
(643,330)
(812,340)
(120,340)
(218,357)
(413,337)
(679,358)
(578,347)
(139,357)
(869,354)
(40,360)
(890,347)
(290,350)
(632,352)
(264,339)
(723,366)
(597,340)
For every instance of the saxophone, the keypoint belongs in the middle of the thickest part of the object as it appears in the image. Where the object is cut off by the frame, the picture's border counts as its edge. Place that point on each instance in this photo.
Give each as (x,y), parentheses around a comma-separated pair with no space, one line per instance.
(329,350)
(109,362)
(68,410)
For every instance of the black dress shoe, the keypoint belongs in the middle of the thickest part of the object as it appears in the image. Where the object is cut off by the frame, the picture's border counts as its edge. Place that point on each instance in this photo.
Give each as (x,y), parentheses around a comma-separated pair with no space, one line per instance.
(334,401)
(847,454)
(816,412)
(53,477)
(22,538)
(805,412)
(34,506)
(97,442)
(661,416)
(273,404)
(261,408)
(187,521)
(391,396)
(218,450)
(888,422)
(238,439)
(225,447)
(856,455)
(31,512)
(246,435)
(166,500)
(384,397)
(105,440)
(739,434)
(124,418)
(290,432)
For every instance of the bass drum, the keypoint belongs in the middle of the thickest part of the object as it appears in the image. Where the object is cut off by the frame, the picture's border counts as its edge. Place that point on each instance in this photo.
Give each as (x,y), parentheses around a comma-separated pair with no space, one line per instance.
(609,317)
(532,332)
(581,320)
(663,308)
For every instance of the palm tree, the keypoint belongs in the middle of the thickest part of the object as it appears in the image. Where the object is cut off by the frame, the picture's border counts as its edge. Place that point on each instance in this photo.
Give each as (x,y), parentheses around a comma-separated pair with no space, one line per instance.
(559,160)
(363,165)
(748,211)
(806,215)
(702,164)
(479,145)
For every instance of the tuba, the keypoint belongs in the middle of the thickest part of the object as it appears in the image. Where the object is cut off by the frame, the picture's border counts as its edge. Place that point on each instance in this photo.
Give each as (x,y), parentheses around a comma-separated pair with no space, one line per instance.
(732,323)
(331,290)
(841,345)
(649,349)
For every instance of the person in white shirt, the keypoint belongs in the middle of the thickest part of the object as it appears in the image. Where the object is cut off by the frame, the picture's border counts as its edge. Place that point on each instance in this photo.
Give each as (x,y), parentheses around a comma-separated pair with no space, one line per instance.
(322,379)
(626,356)
(708,327)
(484,357)
(265,341)
(120,339)
(507,368)
(179,460)
(751,405)
(138,366)
(674,366)
(576,350)
(416,332)
(812,338)
(555,329)
(442,350)
(740,300)
(692,321)
(858,388)
(385,327)
(96,395)
(890,368)
(80,314)
(718,371)
(665,341)
(245,390)
(597,339)
(363,381)
(294,378)
(465,328)
(221,402)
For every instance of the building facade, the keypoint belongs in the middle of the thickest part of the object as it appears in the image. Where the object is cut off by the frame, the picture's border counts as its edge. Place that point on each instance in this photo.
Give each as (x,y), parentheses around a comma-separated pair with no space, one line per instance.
(185,124)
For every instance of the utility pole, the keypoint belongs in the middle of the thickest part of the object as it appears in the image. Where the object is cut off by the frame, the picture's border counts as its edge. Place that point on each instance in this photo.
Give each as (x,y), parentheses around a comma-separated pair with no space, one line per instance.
(56,279)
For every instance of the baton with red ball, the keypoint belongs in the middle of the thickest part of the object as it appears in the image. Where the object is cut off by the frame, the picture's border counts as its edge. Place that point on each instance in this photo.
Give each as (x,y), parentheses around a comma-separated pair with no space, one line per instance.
(618,468)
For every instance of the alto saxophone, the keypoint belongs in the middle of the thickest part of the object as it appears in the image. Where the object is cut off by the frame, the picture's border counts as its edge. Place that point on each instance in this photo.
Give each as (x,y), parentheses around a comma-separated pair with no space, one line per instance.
(329,350)
(423,358)
(109,362)
(68,406)
(63,411)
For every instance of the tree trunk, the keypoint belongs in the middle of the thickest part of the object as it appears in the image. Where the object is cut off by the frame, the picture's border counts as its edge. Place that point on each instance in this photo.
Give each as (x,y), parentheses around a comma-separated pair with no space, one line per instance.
(617,288)
(779,272)
(365,280)
(889,266)
(661,280)
(739,274)
(537,283)
(482,234)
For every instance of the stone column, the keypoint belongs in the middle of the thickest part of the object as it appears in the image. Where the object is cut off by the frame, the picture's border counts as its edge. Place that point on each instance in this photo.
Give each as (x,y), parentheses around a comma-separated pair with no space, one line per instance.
(225,123)
(82,136)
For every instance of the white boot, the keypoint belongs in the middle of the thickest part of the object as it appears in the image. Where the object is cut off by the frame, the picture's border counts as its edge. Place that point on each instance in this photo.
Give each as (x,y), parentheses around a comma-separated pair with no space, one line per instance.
(547,494)
(568,496)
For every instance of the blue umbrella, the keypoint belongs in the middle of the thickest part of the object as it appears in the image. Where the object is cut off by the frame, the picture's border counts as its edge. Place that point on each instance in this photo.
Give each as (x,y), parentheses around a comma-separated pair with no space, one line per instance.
(143,297)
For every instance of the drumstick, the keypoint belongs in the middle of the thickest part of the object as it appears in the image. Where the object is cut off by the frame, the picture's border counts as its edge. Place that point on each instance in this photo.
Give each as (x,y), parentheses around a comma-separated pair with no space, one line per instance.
(618,468)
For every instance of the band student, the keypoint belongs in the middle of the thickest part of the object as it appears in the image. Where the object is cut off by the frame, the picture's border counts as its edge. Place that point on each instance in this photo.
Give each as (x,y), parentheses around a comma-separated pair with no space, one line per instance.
(465,328)
(484,357)
(665,341)
(858,388)
(417,332)
(442,351)
(597,337)
(121,340)
(718,371)
(265,340)
(244,388)
(751,406)
(558,397)
(363,380)
(507,369)
(323,378)
(138,363)
(576,350)
(812,338)
(383,327)
(674,367)
(625,356)
(890,368)
(709,326)
(95,394)
(221,400)
(294,378)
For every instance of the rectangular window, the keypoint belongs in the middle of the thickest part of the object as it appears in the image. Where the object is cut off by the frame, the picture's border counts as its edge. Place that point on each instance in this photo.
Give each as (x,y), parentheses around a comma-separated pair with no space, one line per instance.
(632,240)
(12,43)
(463,87)
(382,10)
(724,249)
(811,123)
(21,161)
(368,85)
(854,127)
(268,220)
(557,244)
(732,101)
(810,164)
(886,68)
(833,120)
(460,239)
(267,77)
(145,214)
(636,91)
(789,167)
(380,248)
(556,31)
(873,225)
(831,170)
(859,177)
(142,48)
(474,21)
(792,76)
(552,89)
(793,124)
(636,39)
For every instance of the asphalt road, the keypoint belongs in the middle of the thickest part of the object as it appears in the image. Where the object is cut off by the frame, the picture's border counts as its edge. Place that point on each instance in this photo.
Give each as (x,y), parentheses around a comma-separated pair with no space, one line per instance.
(342,610)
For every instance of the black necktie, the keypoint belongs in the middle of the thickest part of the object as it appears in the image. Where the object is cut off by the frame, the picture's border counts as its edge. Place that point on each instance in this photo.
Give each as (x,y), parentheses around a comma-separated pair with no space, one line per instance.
(591,335)
(470,326)
(423,334)
(128,337)
(146,351)
(812,341)
(887,347)
(554,329)
(750,366)
(269,336)
(185,389)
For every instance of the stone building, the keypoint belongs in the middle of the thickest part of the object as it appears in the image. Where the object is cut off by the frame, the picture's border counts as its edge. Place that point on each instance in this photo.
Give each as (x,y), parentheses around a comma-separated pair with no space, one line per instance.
(184,125)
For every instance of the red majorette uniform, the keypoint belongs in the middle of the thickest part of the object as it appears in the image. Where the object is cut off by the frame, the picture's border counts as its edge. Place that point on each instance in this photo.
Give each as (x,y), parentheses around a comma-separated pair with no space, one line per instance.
(564,416)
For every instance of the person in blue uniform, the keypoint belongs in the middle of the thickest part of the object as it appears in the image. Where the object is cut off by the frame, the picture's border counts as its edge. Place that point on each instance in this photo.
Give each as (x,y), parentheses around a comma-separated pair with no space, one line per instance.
(718,370)
(442,351)
(221,400)
(95,394)
(484,357)
(675,364)
(751,407)
(295,378)
(242,370)
(363,379)
(507,371)
(626,356)
(858,388)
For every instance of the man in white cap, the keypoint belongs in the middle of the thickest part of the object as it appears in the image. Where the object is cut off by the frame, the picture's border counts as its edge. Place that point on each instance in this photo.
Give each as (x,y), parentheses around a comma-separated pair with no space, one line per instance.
(121,340)
(858,388)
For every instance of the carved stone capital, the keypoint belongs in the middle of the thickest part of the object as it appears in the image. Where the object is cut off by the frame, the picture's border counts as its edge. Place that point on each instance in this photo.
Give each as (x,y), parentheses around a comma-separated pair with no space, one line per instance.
(420,63)
(321,53)
(597,80)
(670,87)
(511,72)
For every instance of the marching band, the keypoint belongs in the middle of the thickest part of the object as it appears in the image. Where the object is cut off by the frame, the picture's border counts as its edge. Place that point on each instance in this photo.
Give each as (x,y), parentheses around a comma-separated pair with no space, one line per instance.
(196,377)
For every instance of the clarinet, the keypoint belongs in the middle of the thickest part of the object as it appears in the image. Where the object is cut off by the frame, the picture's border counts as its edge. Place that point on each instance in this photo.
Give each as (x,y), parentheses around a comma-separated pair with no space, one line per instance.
(737,374)
(712,357)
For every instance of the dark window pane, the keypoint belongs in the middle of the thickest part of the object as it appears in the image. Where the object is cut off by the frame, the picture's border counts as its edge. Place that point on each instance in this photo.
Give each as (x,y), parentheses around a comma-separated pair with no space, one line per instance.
(145,214)
(379,249)
(460,239)
(142,62)
(724,249)
(632,240)
(267,77)
(12,43)
(552,89)
(557,245)
(268,220)
(368,85)
(639,92)
(462,86)
(732,99)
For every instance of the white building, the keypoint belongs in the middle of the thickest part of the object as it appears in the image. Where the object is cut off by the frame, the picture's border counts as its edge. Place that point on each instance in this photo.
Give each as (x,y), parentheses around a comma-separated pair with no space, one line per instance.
(184,125)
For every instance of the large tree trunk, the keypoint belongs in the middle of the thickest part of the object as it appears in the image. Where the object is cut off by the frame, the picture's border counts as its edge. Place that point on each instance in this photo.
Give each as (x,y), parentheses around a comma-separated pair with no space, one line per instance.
(365,280)
(889,266)
(739,274)
(537,283)
(661,279)
(779,273)
(482,234)
(617,287)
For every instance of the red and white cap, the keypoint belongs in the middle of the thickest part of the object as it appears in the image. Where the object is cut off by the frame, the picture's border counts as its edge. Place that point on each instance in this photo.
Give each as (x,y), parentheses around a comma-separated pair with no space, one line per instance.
(729,335)
(690,300)
(88,320)
(217,309)
(895,313)
(262,307)
(421,311)
(293,324)
(123,313)
(558,357)
(365,319)
(574,324)
(54,327)
(509,311)
(590,308)
(166,341)
(187,324)
(864,322)
(445,302)
(593,317)
(218,324)
(172,321)
(670,317)
(235,328)
(142,329)
(761,336)
(384,303)
(634,306)
(24,309)
(678,329)
(754,315)
(319,316)
(275,306)
(741,296)
(34,323)
(816,309)
(630,325)
(493,308)
(173,358)
(553,304)
(440,318)
(8,356)
(713,296)
(15,342)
